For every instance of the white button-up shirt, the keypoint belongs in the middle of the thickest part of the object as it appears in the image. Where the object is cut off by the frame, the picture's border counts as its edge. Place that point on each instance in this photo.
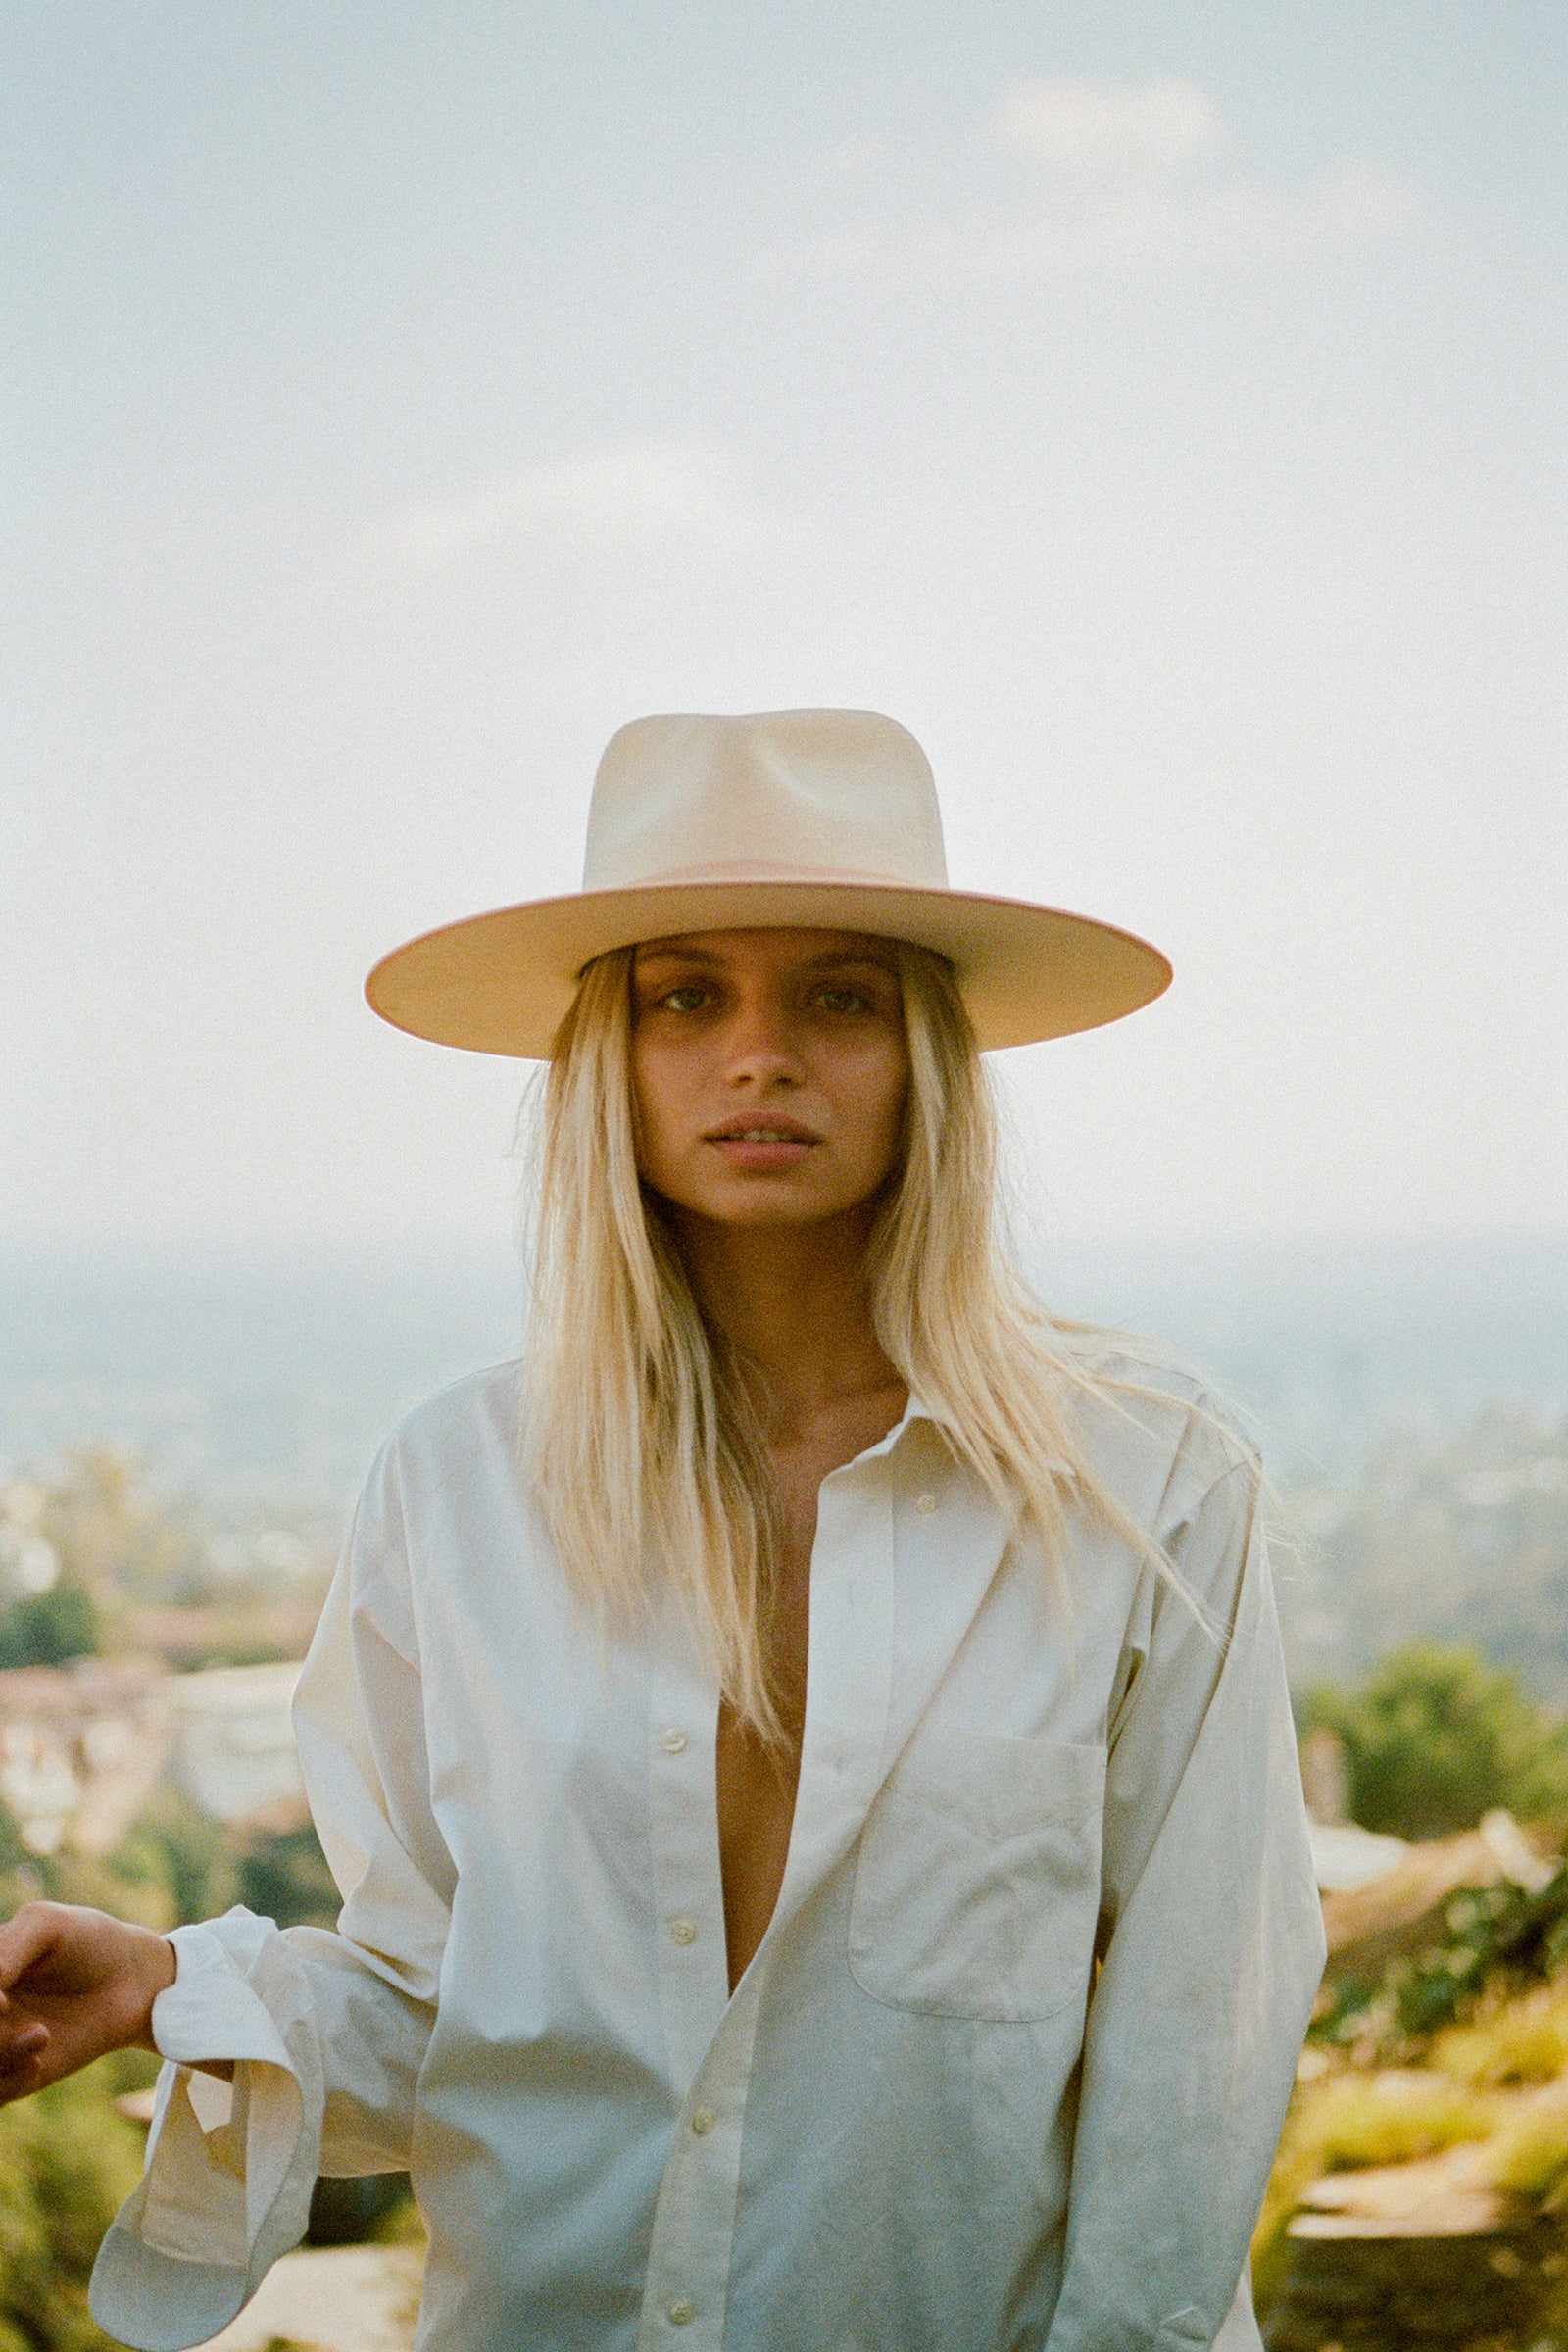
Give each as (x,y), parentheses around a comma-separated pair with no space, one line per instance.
(1009,2067)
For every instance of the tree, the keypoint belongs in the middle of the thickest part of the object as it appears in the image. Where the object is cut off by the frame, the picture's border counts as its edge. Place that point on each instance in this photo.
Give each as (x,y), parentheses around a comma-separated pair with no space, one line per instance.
(1435,1737)
(45,1628)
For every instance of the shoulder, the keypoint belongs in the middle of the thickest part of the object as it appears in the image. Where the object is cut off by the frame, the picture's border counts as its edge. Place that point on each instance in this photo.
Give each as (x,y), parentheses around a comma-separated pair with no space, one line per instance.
(464,1436)
(1159,1435)
(444,1491)
(477,1408)
(1176,1458)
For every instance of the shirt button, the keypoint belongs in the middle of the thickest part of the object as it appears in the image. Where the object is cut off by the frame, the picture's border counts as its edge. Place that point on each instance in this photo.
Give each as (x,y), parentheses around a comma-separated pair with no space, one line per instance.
(679,2312)
(925,1503)
(684,1931)
(673,1741)
(703,2120)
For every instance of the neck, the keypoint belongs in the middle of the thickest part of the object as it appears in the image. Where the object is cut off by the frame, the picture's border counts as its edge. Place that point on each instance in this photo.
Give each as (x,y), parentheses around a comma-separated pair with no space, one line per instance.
(794,1301)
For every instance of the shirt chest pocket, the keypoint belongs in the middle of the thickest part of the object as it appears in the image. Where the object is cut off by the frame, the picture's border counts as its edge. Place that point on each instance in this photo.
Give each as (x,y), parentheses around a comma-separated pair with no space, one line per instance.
(977,1884)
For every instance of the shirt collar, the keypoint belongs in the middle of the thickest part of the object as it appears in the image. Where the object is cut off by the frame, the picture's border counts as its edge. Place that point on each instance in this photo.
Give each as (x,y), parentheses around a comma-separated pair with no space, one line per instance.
(914,1411)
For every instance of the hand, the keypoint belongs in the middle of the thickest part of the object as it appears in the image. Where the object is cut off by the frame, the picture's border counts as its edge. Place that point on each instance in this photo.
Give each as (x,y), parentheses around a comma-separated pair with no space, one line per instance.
(74,1984)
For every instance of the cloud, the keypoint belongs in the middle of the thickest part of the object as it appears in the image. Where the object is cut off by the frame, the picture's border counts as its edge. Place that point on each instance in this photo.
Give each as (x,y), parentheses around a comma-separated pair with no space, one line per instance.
(1081,128)
(1107,178)
(628,495)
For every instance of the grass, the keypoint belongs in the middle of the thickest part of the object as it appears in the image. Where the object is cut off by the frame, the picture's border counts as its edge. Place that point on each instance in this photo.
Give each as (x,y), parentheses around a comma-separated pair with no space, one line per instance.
(1528,2153)
(1345,2121)
(1501,2078)
(1521,2041)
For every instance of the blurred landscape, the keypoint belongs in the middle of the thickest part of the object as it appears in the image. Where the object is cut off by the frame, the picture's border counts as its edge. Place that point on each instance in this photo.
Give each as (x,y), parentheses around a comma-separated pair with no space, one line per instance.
(181,1438)
(1410,1398)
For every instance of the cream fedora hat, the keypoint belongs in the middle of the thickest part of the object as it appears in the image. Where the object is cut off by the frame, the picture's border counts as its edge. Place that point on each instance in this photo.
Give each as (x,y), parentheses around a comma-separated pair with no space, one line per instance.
(811,820)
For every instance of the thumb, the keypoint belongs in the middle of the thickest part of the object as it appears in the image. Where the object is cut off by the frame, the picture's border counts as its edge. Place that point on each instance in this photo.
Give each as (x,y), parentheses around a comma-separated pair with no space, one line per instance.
(25,1939)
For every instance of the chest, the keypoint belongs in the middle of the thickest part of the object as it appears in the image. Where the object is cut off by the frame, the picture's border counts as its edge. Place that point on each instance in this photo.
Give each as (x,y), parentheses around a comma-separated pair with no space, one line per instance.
(901,1606)
(757,1779)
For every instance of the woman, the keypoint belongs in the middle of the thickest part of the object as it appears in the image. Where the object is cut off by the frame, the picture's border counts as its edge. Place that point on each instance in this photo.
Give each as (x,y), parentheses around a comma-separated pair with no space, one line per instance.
(806,1755)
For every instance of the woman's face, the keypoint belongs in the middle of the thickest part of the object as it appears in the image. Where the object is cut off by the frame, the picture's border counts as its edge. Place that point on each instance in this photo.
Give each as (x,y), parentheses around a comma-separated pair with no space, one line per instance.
(769,1070)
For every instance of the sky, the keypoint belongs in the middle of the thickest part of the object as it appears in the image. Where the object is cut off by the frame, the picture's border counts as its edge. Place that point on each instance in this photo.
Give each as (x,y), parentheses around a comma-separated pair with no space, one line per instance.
(1158,409)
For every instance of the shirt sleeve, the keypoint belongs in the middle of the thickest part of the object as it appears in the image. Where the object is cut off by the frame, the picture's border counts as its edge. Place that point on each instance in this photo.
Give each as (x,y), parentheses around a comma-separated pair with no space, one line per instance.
(1211,1953)
(327,2032)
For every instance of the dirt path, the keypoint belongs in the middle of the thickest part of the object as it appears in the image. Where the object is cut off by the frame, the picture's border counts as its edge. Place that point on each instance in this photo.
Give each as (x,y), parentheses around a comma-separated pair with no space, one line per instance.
(334,2299)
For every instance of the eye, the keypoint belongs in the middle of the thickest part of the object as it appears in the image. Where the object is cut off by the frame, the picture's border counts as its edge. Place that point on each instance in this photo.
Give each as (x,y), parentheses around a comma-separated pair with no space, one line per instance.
(690,997)
(842,1000)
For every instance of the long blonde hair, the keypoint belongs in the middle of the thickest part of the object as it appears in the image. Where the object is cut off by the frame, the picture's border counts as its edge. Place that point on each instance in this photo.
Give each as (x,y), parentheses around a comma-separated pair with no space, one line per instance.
(642,1440)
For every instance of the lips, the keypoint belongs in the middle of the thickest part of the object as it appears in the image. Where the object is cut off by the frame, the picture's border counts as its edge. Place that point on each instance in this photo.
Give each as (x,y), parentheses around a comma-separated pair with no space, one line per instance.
(751,1129)
(761,1144)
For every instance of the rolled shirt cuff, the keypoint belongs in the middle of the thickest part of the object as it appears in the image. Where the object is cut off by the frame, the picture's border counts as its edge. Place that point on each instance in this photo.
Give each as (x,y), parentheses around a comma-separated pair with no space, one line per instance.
(230,2170)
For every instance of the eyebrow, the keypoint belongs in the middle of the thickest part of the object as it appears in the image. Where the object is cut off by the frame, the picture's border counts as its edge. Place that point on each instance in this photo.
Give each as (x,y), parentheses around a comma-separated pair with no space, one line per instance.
(656,950)
(835,959)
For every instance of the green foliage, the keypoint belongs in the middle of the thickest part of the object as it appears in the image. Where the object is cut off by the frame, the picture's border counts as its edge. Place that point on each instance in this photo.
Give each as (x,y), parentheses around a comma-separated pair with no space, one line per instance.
(66,2161)
(180,1852)
(1506,2044)
(13,1851)
(1484,1935)
(173,1866)
(286,1877)
(45,1628)
(1353,2119)
(1487,1943)
(1435,1737)
(1529,2156)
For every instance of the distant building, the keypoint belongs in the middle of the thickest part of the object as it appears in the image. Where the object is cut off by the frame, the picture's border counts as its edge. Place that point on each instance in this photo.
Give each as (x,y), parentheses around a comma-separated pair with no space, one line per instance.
(82,1747)
(234,1754)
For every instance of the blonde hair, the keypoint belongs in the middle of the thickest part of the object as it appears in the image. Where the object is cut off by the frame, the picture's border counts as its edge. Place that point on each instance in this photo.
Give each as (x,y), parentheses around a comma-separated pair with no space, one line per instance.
(642,1440)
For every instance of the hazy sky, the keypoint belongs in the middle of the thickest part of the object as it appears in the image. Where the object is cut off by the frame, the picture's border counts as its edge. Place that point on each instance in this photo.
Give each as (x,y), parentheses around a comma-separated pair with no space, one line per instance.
(1159,408)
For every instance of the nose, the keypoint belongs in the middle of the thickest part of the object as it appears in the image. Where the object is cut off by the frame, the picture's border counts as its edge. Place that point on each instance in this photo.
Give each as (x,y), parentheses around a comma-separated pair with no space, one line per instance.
(760,1051)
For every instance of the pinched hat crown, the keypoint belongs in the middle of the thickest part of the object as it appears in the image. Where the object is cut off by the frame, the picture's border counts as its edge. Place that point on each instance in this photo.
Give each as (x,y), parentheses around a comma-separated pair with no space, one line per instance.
(798,793)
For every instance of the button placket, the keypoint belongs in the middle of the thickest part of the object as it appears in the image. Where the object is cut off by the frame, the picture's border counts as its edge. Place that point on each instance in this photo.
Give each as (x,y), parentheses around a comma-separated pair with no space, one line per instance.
(694,2223)
(850,1674)
(683,1723)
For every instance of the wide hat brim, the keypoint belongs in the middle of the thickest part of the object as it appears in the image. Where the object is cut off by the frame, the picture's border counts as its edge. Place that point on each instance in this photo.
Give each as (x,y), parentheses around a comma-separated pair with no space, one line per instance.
(501,982)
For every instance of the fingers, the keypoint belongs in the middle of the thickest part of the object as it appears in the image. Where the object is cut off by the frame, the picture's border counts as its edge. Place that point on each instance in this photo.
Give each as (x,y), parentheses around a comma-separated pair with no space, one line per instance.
(22,2040)
(24,2069)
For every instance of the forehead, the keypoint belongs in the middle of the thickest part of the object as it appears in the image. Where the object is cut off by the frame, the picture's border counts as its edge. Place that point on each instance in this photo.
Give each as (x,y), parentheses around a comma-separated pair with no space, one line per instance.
(769,949)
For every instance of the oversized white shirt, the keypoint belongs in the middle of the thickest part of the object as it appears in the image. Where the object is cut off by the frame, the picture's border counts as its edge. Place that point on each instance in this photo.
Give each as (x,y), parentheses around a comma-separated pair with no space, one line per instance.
(924,2120)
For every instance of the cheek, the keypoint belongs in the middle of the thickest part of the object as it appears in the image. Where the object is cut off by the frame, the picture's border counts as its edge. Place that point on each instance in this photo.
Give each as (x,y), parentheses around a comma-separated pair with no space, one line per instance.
(671,1081)
(880,1090)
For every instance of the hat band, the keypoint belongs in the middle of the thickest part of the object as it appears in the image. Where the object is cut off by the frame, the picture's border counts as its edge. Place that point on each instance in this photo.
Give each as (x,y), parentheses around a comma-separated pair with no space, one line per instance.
(751,869)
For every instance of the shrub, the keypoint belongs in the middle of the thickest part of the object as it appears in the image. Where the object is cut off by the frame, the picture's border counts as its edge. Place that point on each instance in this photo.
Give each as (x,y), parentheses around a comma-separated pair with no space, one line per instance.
(66,2161)
(1521,2041)
(1435,1737)
(45,1628)
(285,1877)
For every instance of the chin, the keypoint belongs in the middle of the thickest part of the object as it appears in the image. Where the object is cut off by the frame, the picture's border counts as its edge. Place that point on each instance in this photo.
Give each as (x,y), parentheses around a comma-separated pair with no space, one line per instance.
(758,1215)
(766,1212)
